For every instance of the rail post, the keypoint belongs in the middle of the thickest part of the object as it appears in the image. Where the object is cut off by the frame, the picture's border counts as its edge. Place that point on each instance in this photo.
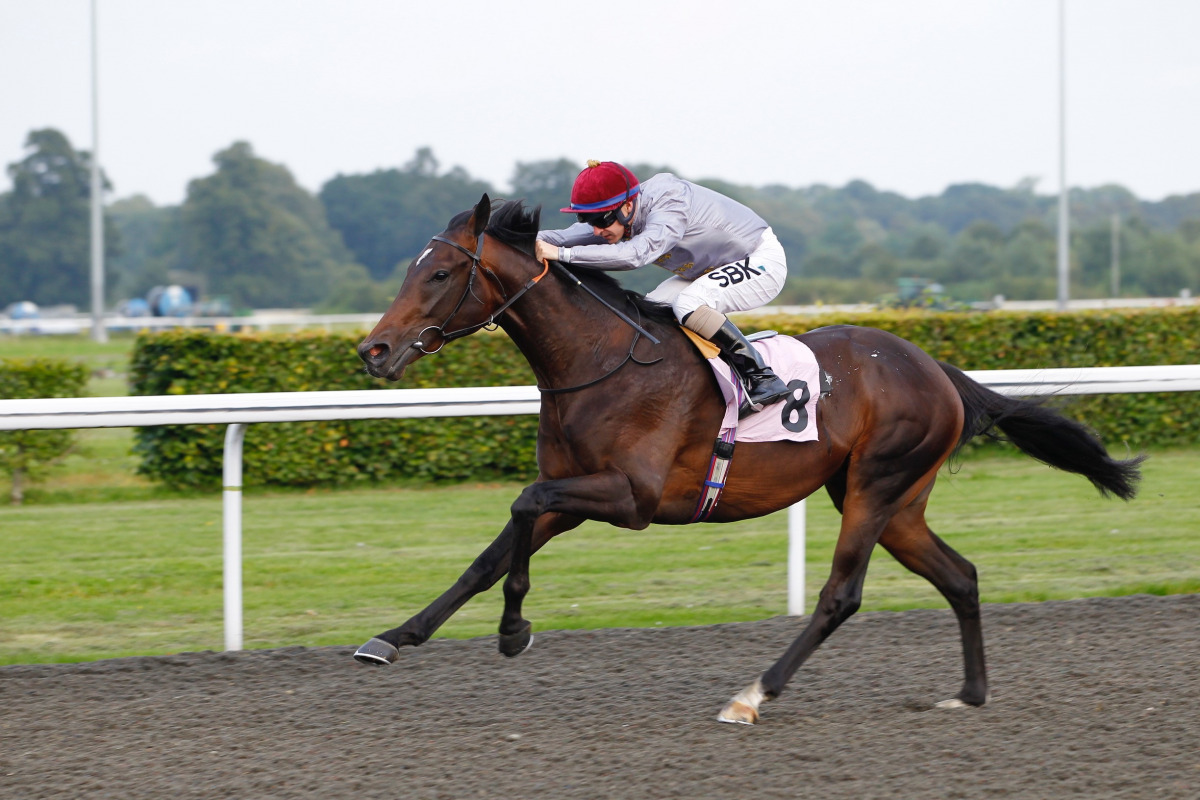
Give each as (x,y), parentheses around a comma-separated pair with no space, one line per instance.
(235,434)
(797,530)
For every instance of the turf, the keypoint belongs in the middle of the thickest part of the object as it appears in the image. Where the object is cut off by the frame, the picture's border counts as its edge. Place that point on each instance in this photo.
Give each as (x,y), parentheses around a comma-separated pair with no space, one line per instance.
(104,570)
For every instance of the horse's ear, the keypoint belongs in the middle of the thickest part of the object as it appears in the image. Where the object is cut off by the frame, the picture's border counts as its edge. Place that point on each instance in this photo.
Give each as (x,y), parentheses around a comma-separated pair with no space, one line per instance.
(536,217)
(482,213)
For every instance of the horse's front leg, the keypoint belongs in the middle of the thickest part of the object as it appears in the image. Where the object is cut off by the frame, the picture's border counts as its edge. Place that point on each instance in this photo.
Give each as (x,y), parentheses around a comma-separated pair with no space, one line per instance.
(483,573)
(604,496)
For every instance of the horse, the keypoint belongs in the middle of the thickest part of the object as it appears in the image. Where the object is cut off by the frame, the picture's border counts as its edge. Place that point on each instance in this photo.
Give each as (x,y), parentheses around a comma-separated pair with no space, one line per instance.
(629,414)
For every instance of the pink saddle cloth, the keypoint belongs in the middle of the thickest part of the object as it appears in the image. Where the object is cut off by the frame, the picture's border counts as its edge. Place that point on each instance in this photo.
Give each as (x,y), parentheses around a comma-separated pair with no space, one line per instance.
(792,419)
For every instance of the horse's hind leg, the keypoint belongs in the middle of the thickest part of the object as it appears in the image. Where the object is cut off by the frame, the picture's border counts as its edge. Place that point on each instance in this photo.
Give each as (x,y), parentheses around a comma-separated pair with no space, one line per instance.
(909,539)
(870,492)
(839,599)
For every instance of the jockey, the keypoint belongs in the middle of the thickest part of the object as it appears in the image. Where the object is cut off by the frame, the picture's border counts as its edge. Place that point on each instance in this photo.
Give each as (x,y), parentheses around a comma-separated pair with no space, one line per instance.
(724,256)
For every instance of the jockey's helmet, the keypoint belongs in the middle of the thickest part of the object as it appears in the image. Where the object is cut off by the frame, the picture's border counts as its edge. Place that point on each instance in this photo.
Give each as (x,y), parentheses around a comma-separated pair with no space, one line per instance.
(602,186)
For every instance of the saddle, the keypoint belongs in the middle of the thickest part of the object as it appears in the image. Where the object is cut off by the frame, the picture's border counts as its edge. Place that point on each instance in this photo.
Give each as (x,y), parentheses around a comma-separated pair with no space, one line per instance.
(794,418)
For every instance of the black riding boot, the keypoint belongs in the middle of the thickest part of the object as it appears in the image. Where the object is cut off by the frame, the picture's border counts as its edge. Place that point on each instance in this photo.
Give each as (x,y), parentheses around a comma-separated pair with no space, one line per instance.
(763,385)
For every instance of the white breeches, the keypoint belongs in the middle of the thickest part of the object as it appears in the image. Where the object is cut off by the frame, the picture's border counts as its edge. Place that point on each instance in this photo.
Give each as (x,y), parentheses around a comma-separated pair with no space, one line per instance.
(740,286)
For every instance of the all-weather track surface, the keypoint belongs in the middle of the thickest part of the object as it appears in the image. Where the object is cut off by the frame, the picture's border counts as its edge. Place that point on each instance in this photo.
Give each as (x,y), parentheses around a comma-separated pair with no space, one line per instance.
(1095,698)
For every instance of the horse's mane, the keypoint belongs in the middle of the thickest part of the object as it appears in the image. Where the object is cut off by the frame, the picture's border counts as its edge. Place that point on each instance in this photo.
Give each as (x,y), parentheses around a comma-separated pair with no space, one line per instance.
(517,225)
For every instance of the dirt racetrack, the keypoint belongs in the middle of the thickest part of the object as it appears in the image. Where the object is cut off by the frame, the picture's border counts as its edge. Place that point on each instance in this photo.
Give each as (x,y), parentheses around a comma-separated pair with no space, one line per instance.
(1095,698)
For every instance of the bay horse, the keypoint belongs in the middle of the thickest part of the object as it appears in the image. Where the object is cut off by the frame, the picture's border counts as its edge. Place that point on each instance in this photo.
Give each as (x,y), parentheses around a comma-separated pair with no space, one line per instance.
(630,411)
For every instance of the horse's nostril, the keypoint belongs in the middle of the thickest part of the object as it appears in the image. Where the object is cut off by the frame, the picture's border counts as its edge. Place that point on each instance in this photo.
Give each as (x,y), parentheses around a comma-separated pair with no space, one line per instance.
(372,353)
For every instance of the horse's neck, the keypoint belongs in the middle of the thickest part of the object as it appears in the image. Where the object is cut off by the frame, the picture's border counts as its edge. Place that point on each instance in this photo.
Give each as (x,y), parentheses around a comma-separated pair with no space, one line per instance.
(567,336)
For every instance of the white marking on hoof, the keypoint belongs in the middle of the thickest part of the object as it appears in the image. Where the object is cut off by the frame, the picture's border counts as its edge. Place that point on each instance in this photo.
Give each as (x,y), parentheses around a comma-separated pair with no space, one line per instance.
(743,708)
(953,702)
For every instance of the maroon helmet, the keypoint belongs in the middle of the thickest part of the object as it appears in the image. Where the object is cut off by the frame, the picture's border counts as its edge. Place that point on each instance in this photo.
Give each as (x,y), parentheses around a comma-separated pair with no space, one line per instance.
(603,186)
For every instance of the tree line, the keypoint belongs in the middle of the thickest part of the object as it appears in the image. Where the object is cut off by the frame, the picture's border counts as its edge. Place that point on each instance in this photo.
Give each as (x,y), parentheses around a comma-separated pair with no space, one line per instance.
(250,233)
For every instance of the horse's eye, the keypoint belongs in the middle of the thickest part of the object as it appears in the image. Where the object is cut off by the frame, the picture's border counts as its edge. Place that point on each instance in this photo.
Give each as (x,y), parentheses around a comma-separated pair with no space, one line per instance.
(440,276)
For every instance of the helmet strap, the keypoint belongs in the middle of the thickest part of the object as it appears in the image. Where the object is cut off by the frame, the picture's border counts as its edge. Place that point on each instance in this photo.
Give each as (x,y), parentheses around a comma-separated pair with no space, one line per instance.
(621,218)
(626,221)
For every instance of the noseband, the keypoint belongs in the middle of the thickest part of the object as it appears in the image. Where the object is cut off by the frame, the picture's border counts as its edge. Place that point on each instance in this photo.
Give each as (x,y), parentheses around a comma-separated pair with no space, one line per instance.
(476,265)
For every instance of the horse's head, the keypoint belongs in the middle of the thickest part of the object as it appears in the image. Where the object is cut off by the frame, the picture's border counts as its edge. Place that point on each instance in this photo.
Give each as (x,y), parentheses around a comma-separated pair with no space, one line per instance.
(444,296)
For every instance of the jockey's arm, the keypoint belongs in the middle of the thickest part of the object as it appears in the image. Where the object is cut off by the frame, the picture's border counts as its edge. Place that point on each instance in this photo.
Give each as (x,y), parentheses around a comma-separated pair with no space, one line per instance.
(664,226)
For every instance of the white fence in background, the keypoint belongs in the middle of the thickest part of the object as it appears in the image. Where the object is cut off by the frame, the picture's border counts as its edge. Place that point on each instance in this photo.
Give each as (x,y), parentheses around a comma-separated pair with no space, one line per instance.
(238,410)
(291,319)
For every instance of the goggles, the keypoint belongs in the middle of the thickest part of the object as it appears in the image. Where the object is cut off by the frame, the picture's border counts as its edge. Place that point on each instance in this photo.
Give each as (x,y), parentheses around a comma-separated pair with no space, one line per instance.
(599,219)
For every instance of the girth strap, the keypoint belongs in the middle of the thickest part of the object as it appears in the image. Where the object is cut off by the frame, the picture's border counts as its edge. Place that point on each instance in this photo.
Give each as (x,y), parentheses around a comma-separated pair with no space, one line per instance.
(718,468)
(714,480)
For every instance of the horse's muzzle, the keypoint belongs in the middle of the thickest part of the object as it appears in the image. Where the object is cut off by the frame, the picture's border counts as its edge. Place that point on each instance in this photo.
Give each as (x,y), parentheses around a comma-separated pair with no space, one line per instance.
(385,362)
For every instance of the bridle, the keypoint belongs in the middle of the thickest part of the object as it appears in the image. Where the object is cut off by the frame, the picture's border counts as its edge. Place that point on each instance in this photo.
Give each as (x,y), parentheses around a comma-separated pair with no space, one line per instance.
(490,322)
(476,265)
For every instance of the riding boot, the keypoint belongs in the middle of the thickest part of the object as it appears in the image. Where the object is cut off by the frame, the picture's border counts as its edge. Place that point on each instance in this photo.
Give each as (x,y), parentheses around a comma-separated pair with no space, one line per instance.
(762,384)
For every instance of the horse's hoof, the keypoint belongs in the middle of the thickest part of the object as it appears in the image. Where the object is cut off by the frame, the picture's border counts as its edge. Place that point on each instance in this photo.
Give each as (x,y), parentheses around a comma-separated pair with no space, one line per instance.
(377,652)
(953,702)
(738,713)
(743,708)
(958,702)
(513,644)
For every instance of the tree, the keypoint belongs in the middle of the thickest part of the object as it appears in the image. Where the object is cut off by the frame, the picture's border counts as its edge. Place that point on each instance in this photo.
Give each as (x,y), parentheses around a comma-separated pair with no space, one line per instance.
(547,184)
(259,238)
(149,246)
(387,217)
(841,237)
(359,295)
(975,253)
(962,204)
(1162,263)
(875,262)
(45,224)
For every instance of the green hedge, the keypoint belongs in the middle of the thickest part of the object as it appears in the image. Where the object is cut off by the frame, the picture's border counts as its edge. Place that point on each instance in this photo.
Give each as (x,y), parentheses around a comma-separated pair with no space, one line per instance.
(1048,339)
(328,453)
(299,454)
(24,454)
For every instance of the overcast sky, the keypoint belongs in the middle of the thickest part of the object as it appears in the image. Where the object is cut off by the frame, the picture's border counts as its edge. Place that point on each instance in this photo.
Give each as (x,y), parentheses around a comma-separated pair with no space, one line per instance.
(910,95)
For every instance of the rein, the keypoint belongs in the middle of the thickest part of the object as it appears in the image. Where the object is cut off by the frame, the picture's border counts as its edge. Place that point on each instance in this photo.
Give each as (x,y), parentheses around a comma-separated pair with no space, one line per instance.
(629,356)
(638,332)
(567,273)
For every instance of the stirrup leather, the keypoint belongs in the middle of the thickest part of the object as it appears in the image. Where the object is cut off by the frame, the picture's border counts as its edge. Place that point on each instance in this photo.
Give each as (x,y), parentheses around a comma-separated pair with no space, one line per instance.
(763,386)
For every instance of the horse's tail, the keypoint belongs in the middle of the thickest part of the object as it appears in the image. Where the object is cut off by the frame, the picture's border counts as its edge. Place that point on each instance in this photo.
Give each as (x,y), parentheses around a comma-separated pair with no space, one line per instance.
(1042,433)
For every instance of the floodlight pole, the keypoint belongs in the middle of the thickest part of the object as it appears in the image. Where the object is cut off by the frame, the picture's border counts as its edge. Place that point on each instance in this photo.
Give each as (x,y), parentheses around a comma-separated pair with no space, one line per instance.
(1064,234)
(99,332)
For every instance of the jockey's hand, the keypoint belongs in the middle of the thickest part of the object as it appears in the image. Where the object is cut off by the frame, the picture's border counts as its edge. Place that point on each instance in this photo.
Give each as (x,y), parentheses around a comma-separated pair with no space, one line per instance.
(545,251)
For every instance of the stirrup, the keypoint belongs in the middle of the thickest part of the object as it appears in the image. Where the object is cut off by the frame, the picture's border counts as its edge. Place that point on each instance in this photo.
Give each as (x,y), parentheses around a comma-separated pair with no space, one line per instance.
(751,406)
(746,408)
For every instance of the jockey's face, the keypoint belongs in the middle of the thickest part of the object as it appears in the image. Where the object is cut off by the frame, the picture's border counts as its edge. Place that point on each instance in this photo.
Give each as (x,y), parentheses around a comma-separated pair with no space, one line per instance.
(616,231)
